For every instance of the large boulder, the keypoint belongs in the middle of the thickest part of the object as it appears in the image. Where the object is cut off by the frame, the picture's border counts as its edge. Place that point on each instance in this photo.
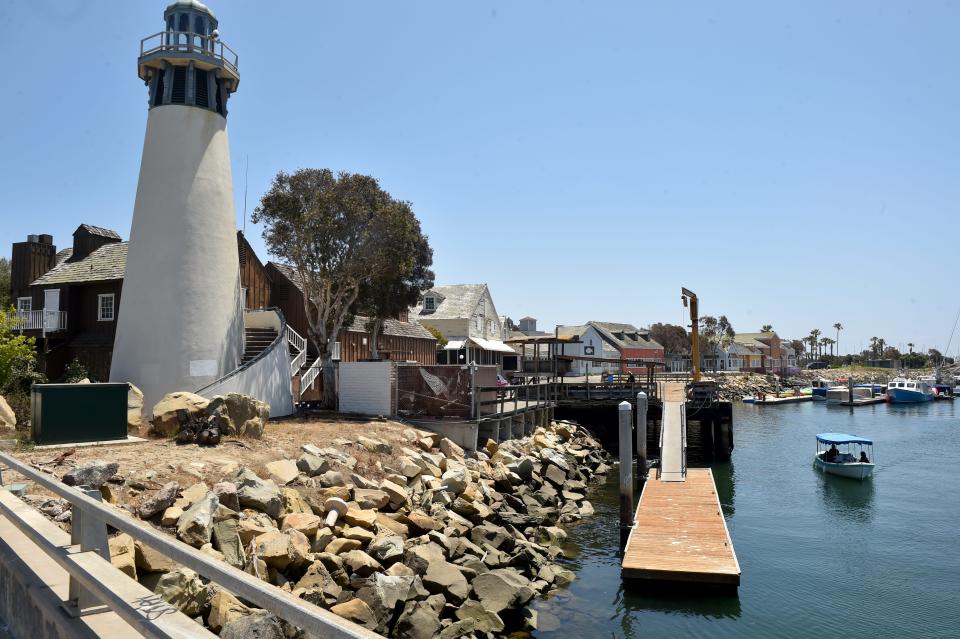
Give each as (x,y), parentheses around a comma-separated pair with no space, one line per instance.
(8,418)
(159,501)
(224,608)
(357,611)
(122,554)
(259,494)
(93,473)
(237,414)
(181,588)
(501,589)
(195,524)
(259,625)
(134,409)
(174,409)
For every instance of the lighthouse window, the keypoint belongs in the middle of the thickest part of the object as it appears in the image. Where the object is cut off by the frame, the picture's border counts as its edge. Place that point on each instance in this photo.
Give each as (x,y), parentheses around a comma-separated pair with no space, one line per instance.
(202,91)
(199,28)
(179,93)
(158,92)
(184,22)
(219,100)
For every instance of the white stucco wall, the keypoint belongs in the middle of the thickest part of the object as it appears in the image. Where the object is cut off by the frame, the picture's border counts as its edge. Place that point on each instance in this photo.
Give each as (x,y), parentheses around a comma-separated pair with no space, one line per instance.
(267,378)
(179,324)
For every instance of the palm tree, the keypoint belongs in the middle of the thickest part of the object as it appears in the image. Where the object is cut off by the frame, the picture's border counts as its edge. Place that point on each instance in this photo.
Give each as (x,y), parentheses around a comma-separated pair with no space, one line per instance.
(766,328)
(910,345)
(839,328)
(814,336)
(826,341)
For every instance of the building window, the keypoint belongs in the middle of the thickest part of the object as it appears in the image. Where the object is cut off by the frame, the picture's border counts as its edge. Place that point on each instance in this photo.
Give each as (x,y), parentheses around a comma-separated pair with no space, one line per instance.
(429,304)
(105,308)
(24,305)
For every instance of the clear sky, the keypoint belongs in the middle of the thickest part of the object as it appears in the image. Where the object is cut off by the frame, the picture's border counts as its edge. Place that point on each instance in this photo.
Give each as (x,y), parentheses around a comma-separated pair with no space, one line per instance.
(793,166)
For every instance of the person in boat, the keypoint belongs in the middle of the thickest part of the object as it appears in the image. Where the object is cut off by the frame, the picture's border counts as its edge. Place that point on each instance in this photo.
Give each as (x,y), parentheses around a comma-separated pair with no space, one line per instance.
(832,453)
(863,457)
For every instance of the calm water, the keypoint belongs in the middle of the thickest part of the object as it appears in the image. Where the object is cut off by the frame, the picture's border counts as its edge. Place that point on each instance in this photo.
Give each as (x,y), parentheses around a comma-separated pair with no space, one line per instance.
(877,559)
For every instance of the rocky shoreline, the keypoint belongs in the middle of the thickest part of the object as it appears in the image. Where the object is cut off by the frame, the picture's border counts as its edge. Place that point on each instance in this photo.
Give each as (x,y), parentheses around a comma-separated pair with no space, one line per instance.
(733,387)
(447,543)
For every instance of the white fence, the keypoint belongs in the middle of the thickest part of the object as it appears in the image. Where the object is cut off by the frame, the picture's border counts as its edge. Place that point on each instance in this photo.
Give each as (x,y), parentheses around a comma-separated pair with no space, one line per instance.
(368,388)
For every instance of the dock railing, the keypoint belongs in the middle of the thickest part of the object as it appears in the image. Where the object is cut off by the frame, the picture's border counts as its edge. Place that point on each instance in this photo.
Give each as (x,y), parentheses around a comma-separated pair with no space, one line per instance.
(91,518)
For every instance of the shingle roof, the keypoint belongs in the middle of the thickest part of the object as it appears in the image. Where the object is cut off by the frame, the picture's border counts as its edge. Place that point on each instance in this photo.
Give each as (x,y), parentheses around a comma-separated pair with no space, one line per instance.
(457,301)
(390,327)
(612,331)
(102,232)
(106,263)
(571,331)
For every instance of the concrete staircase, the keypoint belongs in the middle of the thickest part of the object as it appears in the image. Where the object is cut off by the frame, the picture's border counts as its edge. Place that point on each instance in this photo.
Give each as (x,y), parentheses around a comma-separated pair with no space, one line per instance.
(257,340)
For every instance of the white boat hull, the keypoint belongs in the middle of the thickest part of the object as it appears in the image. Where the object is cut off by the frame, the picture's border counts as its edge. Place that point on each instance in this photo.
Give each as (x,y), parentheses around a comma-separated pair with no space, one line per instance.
(853,470)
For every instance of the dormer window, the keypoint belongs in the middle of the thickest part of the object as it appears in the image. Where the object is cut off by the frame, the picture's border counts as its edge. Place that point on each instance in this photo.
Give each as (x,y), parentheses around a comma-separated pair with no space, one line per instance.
(429,304)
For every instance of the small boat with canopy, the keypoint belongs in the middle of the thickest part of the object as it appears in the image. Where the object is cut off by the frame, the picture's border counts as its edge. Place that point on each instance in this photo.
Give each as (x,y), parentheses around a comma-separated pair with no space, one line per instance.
(855,460)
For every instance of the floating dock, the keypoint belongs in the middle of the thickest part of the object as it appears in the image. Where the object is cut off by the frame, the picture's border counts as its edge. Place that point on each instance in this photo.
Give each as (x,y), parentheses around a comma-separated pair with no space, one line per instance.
(679,534)
(863,401)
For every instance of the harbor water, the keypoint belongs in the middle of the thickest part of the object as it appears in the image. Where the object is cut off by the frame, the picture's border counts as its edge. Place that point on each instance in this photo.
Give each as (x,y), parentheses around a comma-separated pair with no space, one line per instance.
(819,554)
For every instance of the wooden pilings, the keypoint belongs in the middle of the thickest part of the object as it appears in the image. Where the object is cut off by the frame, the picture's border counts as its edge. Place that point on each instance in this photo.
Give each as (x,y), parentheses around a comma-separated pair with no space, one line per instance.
(624,413)
(641,435)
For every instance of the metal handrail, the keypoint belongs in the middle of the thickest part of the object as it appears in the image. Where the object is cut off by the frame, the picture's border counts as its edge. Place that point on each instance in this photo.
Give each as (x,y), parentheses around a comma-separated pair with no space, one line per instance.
(299,612)
(186,42)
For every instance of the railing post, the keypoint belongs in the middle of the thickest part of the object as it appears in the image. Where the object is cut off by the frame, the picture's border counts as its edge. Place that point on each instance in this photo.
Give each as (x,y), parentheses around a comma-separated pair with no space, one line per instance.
(90,532)
(641,435)
(626,470)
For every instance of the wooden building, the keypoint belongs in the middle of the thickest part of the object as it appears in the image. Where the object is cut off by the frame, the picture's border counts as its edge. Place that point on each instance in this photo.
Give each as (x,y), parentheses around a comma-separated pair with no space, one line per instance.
(69,301)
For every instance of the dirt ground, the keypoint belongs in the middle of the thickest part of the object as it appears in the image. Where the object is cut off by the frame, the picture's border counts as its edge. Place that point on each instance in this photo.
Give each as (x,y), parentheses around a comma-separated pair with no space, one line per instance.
(188,464)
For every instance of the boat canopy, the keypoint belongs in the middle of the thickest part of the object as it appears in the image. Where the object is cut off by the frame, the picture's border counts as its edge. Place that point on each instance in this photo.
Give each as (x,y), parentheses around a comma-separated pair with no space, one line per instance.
(842,438)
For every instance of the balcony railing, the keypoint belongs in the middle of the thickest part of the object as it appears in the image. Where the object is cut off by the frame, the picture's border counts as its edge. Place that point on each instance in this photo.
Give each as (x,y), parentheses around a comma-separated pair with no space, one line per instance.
(191,43)
(43,320)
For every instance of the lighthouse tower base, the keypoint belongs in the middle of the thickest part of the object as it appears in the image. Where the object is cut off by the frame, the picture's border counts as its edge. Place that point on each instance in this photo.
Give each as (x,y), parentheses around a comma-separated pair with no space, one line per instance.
(180,325)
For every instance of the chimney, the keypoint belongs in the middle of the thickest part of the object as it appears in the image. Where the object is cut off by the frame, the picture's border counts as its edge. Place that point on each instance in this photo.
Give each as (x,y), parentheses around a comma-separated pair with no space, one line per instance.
(30,260)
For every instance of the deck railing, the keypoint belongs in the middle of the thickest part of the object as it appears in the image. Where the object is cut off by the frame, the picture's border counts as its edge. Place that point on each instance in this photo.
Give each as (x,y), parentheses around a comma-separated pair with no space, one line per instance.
(299,344)
(91,517)
(192,43)
(42,320)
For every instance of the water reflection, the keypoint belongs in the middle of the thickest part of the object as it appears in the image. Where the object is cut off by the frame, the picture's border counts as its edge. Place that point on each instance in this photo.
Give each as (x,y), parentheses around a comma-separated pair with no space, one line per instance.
(723,477)
(847,498)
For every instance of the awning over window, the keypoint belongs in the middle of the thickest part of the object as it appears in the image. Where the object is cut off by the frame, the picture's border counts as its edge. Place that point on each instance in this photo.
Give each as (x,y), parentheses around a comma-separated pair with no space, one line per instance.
(484,344)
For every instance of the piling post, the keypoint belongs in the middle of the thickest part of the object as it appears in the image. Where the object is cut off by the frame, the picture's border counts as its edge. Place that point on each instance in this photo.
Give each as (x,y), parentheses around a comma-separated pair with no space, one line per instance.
(641,436)
(626,470)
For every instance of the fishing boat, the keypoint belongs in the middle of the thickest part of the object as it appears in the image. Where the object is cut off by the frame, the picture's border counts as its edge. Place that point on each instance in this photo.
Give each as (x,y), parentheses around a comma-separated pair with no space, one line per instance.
(840,394)
(819,389)
(854,461)
(909,391)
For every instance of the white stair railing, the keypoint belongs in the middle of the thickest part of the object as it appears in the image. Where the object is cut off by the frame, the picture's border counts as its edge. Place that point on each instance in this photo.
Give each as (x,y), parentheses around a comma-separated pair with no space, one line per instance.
(299,344)
(309,376)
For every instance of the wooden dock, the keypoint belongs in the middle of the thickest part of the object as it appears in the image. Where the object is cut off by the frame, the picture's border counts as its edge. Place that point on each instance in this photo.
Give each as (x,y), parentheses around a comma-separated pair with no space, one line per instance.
(679,534)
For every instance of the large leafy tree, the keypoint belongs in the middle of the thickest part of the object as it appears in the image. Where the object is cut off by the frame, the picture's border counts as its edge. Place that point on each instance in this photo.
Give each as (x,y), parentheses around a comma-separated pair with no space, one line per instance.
(673,338)
(334,230)
(405,252)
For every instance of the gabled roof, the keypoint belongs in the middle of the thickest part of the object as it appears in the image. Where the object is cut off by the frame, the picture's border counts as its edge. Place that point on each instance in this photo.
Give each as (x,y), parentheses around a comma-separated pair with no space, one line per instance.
(746,340)
(99,230)
(288,272)
(624,335)
(571,331)
(106,263)
(452,302)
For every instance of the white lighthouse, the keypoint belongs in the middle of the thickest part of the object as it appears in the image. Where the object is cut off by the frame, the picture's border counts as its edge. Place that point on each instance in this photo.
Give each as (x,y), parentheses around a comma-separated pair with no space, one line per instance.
(180,322)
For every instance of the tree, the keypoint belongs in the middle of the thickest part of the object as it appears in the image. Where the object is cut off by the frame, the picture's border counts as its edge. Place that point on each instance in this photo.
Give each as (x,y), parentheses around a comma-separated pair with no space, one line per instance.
(814,341)
(839,328)
(404,247)
(441,340)
(910,345)
(826,341)
(331,229)
(798,345)
(716,334)
(874,342)
(935,357)
(766,328)
(673,338)
(5,301)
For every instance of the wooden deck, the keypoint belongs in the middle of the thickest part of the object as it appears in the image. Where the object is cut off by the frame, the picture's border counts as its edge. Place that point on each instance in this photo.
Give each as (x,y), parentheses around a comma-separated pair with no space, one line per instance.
(679,534)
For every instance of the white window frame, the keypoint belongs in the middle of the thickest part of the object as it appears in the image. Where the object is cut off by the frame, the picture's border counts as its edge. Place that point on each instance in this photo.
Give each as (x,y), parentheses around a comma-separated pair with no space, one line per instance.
(20,305)
(429,304)
(113,307)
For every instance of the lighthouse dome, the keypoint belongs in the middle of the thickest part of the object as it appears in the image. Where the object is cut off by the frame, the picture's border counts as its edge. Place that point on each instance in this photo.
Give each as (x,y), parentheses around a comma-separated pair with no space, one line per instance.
(190,5)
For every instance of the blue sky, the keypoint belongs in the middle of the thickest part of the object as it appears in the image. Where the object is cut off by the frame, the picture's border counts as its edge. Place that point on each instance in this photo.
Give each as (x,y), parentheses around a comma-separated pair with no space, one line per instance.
(793,166)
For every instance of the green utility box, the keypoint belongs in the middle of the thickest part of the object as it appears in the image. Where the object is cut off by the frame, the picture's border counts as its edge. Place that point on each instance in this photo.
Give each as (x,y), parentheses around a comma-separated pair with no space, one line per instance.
(74,413)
